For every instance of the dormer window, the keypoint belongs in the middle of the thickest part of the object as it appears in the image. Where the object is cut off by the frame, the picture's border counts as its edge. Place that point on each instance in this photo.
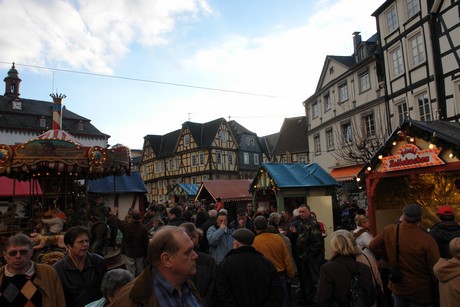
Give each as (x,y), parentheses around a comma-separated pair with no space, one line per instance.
(42,122)
(17,104)
(80,125)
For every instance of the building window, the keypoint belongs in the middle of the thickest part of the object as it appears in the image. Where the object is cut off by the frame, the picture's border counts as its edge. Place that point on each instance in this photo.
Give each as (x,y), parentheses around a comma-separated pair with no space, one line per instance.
(223,136)
(256,159)
(418,50)
(218,157)
(364,81)
(80,125)
(412,7)
(205,177)
(176,163)
(317,144)
(314,110)
(194,160)
(347,134)
(201,158)
(230,158)
(343,92)
(186,140)
(42,122)
(170,164)
(160,184)
(369,125)
(424,107)
(193,179)
(392,19)
(402,111)
(397,62)
(250,141)
(246,158)
(327,101)
(329,140)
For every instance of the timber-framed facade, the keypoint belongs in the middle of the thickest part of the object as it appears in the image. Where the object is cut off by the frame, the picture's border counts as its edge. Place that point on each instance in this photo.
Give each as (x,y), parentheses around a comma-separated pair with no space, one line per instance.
(193,154)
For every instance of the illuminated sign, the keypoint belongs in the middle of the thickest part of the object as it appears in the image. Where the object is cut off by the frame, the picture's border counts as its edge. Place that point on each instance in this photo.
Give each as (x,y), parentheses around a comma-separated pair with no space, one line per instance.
(410,156)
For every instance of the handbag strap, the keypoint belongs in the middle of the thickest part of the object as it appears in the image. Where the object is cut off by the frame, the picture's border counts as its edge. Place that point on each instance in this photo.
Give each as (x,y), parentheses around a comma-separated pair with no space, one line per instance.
(397,244)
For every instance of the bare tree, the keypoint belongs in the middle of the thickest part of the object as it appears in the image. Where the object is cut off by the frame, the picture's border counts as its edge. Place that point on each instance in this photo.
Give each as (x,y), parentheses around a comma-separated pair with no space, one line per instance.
(358,143)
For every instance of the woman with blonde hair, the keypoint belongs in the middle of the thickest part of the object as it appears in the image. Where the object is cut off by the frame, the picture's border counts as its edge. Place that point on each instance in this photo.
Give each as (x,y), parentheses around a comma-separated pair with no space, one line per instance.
(362,234)
(335,276)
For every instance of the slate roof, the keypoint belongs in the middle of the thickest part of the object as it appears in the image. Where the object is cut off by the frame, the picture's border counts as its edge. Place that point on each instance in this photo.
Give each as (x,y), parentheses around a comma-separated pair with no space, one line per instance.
(292,137)
(268,144)
(238,130)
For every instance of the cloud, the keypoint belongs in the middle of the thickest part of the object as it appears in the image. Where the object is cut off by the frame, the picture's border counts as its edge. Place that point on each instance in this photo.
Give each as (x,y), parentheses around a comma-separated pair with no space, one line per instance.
(86,34)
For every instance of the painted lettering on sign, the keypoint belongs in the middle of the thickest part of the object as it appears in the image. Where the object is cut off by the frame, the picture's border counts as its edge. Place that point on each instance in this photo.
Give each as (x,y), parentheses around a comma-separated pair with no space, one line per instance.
(410,156)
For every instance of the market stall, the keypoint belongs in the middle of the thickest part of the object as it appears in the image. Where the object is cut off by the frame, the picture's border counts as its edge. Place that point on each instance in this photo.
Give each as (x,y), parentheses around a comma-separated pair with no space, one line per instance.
(419,163)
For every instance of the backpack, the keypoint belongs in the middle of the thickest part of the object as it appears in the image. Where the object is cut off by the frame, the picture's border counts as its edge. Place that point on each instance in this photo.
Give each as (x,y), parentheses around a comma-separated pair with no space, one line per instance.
(358,296)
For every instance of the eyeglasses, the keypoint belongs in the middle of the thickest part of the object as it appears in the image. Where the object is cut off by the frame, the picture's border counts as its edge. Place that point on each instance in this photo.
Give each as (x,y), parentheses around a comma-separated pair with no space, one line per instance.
(81,242)
(21,252)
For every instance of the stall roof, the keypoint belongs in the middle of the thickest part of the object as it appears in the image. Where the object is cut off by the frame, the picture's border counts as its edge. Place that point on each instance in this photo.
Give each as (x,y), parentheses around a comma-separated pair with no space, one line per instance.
(123,184)
(227,190)
(189,189)
(346,173)
(19,188)
(296,175)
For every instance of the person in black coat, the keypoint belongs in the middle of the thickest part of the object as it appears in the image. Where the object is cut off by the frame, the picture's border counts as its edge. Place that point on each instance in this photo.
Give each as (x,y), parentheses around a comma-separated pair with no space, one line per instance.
(245,277)
(335,276)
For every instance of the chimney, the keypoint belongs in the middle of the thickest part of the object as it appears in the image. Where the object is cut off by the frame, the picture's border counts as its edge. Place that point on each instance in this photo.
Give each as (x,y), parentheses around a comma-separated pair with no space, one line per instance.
(356,41)
(57,110)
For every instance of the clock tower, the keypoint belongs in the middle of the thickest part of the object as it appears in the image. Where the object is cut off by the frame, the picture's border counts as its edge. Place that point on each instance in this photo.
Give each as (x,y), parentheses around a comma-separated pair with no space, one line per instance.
(12,82)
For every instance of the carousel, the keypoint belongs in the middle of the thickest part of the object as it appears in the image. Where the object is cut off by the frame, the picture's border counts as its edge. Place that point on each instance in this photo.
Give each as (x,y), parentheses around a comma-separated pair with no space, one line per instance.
(61,166)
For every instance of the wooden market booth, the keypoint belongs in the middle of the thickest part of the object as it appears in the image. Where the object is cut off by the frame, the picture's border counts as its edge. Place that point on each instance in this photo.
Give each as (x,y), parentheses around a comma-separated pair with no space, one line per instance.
(288,185)
(419,163)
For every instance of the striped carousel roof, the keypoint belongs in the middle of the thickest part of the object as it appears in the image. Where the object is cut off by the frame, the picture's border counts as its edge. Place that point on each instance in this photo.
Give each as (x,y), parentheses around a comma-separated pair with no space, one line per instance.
(56,134)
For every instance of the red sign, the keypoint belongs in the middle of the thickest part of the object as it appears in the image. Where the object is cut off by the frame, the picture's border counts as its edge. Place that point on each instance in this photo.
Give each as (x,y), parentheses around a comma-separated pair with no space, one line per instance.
(410,156)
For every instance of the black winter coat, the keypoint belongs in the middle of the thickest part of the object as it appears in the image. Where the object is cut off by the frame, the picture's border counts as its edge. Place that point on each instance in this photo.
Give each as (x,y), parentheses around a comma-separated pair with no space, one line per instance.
(246,278)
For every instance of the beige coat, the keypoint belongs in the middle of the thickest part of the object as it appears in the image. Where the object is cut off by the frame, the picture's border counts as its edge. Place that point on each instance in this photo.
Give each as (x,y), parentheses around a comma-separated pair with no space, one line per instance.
(447,271)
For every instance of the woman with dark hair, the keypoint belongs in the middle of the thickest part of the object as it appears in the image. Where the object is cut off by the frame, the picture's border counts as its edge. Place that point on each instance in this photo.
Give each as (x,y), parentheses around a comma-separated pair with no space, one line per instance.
(112,282)
(80,271)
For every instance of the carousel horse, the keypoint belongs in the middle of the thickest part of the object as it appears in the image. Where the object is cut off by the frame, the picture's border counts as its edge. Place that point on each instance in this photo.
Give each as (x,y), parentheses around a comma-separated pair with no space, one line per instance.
(100,237)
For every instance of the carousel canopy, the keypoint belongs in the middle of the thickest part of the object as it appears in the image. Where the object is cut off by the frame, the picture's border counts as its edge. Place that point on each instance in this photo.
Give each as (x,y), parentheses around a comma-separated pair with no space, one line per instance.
(58,153)
(10,187)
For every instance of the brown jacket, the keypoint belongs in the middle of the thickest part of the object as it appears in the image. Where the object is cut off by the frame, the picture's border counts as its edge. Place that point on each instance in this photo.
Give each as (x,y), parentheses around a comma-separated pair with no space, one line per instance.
(47,280)
(139,292)
(418,253)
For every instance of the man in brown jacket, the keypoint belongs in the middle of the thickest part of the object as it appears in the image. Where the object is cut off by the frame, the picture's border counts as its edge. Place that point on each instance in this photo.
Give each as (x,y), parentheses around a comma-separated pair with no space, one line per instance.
(418,253)
(24,283)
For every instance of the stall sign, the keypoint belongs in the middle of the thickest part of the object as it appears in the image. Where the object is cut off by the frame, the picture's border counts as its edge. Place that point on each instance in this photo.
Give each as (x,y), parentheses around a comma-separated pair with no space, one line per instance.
(410,156)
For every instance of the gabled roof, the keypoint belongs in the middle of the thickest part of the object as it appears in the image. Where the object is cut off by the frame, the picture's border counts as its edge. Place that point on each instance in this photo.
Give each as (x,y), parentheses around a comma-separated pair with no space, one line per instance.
(123,184)
(189,189)
(295,175)
(204,134)
(227,190)
(443,134)
(268,144)
(164,145)
(292,137)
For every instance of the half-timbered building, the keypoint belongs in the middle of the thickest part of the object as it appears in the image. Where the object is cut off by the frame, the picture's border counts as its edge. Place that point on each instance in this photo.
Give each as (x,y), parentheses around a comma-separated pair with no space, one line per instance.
(198,152)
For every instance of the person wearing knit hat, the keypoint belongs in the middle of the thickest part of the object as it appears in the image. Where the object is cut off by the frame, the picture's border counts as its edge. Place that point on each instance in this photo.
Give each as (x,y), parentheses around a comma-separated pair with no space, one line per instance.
(445,230)
(239,269)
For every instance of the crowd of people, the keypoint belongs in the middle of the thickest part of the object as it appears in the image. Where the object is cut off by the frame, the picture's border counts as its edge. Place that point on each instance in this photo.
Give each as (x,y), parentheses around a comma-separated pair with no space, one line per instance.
(201,256)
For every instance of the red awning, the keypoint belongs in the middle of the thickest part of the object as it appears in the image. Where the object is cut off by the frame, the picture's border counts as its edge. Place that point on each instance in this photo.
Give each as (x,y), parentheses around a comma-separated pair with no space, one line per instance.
(346,173)
(227,190)
(11,187)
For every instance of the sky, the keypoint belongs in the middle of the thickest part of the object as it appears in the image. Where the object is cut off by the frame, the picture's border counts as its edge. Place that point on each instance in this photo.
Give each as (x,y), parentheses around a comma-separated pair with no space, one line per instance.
(144,67)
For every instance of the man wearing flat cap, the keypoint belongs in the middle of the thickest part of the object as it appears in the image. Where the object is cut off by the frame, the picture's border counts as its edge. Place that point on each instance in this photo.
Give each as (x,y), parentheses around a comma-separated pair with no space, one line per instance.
(245,277)
(418,253)
(444,231)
